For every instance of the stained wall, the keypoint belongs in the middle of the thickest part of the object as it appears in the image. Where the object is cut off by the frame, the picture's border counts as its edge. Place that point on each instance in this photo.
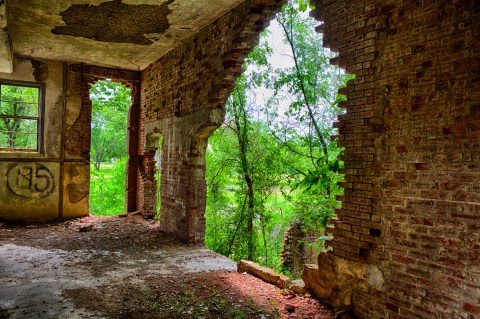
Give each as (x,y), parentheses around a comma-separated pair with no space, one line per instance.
(30,182)
(58,184)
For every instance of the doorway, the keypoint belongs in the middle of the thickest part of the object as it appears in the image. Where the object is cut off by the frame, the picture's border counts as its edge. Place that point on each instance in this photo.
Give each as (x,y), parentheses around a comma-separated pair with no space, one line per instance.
(110,104)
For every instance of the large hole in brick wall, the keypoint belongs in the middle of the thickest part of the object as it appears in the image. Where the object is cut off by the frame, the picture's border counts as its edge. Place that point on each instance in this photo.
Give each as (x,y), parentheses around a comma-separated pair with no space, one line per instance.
(272,168)
(110,104)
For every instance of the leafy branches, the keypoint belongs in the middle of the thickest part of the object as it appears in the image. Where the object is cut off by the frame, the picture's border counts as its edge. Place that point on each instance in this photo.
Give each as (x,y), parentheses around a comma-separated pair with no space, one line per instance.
(110,104)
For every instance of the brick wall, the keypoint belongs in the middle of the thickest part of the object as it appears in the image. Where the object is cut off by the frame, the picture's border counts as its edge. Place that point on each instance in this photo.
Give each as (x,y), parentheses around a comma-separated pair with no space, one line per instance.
(411,209)
(352,31)
(406,242)
(183,97)
(294,253)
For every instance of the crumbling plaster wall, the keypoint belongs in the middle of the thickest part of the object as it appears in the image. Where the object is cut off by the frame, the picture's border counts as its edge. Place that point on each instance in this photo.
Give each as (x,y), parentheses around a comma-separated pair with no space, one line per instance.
(64,164)
(6,56)
(406,242)
(183,97)
(20,201)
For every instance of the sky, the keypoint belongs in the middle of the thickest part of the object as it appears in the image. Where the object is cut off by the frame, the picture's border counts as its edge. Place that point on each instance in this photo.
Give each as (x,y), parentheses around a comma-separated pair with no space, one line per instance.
(281,57)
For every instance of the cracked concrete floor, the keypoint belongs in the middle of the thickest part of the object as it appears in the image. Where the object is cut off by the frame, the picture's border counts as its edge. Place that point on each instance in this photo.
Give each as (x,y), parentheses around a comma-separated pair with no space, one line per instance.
(43,266)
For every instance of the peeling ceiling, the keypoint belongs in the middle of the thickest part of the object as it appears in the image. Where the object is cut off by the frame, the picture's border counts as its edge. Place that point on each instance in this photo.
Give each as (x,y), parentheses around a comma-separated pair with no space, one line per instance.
(127,34)
(5,45)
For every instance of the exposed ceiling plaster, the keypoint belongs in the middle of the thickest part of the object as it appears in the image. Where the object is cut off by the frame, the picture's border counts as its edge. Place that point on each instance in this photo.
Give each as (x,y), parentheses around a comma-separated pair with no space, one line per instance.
(5,45)
(108,44)
(115,21)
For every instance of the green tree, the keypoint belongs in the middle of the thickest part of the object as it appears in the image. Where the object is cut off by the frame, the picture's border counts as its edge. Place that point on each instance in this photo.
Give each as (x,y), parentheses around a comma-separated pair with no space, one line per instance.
(273,162)
(107,189)
(18,110)
(242,175)
(309,87)
(110,104)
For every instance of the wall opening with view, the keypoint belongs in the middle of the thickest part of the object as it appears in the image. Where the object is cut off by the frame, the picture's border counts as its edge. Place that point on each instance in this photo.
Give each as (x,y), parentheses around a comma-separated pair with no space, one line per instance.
(155,144)
(158,176)
(21,115)
(108,157)
(272,168)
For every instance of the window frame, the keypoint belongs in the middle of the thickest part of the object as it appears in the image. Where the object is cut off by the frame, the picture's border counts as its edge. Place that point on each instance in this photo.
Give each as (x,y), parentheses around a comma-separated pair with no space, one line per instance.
(40,116)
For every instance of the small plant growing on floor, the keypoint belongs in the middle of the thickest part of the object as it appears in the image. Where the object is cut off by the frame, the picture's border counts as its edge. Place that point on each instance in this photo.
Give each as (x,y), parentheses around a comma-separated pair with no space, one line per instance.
(236,314)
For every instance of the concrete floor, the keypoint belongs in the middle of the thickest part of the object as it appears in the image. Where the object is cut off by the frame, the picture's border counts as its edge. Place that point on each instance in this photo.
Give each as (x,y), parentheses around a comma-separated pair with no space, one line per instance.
(34,275)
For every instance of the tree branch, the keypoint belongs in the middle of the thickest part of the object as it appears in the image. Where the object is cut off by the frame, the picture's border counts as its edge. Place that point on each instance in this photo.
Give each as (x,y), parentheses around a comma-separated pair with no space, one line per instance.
(303,89)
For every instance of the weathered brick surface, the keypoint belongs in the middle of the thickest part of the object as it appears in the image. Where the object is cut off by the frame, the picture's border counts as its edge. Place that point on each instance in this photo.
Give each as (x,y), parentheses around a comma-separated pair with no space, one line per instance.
(406,241)
(183,97)
(412,166)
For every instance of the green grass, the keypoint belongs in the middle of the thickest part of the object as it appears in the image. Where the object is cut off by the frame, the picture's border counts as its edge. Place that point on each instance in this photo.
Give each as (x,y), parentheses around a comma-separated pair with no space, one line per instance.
(106,168)
(107,189)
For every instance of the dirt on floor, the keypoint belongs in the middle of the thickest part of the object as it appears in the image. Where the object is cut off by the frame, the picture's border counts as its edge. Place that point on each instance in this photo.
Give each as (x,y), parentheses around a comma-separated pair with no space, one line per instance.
(110,267)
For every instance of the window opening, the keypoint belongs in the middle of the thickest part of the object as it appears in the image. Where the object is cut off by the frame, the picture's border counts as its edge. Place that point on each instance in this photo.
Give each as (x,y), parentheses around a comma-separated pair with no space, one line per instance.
(20,116)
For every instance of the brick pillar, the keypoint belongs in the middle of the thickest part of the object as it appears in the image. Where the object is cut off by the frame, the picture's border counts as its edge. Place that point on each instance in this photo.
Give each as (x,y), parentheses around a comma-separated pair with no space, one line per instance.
(183,187)
(148,187)
(132,151)
(183,96)
(174,186)
(197,198)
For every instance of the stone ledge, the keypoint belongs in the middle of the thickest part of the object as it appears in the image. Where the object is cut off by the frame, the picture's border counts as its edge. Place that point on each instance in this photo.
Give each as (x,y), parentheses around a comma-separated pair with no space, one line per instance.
(264,273)
(298,287)
(270,276)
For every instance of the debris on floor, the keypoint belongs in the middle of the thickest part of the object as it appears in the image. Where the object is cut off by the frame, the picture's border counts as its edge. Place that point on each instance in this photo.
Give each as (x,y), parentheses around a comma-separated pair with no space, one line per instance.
(128,268)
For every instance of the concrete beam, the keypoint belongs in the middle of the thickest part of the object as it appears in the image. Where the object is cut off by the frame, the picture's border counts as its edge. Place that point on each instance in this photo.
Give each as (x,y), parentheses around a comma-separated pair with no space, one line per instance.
(6,56)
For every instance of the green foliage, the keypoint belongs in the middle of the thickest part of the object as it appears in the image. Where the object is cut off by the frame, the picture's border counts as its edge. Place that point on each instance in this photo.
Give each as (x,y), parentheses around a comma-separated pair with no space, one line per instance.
(107,189)
(110,104)
(19,110)
(237,314)
(243,177)
(303,5)
(265,172)
(310,86)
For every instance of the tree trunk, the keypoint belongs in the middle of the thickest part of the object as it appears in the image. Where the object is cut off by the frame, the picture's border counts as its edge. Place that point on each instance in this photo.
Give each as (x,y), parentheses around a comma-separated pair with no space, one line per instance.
(241,122)
(99,156)
(250,216)
(304,92)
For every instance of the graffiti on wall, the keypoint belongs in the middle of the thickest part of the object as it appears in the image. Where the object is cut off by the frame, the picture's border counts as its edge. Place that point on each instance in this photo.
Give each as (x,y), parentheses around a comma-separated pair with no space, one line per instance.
(30,180)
